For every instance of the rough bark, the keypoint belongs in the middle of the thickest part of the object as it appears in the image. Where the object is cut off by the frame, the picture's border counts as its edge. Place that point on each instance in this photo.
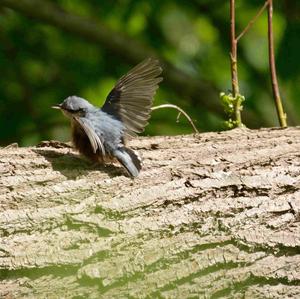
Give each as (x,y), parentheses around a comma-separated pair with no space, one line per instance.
(211,215)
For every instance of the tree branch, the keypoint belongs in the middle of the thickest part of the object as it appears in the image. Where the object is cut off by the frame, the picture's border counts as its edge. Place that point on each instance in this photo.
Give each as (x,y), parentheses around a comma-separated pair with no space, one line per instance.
(233,54)
(252,21)
(276,94)
(236,98)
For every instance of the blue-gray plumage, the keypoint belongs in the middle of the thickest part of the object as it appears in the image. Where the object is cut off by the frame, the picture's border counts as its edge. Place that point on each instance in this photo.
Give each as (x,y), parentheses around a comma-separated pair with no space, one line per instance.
(101,133)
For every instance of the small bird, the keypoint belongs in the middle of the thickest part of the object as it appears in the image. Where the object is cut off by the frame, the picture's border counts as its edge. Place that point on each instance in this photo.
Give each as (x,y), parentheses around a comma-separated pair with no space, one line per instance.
(100,134)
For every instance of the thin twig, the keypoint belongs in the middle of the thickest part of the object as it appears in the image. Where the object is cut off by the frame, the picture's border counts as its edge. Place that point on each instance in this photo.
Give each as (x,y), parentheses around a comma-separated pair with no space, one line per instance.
(275,87)
(252,21)
(180,111)
(178,117)
(234,69)
(233,54)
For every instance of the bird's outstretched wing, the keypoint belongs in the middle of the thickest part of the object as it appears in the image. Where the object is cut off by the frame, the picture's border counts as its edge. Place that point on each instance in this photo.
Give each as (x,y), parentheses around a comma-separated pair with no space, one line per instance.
(95,140)
(131,99)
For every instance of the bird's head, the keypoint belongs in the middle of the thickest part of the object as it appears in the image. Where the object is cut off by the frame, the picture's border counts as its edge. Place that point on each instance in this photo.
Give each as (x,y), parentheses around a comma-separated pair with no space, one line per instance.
(74,106)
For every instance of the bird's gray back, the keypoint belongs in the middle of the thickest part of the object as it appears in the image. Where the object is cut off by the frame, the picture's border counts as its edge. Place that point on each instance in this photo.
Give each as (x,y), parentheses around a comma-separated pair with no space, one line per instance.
(109,129)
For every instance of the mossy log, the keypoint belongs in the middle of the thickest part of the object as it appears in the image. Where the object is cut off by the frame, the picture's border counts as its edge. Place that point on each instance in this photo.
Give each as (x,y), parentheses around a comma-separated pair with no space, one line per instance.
(211,215)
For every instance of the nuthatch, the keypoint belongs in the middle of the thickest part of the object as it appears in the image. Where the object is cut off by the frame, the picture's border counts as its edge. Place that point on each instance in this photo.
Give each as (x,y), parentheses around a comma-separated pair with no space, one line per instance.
(100,134)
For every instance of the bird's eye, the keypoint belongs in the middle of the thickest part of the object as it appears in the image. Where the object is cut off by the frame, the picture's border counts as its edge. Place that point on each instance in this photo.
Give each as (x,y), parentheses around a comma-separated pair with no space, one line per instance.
(80,111)
(75,111)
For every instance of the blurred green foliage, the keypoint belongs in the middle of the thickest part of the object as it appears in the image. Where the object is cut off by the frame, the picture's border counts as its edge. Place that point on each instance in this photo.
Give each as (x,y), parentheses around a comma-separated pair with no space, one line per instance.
(41,64)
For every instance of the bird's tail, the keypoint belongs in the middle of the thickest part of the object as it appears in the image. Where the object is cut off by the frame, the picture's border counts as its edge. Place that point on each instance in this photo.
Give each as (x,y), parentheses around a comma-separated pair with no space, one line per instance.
(130,160)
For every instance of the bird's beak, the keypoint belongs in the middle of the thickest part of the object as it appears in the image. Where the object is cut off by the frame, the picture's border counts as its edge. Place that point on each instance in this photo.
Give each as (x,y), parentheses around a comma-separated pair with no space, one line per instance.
(56,106)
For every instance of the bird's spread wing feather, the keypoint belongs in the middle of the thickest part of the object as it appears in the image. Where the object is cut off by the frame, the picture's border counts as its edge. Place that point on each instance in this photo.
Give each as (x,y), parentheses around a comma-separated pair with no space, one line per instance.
(131,99)
(95,140)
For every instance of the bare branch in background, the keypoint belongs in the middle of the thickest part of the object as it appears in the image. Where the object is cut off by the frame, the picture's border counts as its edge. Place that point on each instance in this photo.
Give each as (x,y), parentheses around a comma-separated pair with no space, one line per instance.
(252,21)
(278,103)
(233,54)
(232,102)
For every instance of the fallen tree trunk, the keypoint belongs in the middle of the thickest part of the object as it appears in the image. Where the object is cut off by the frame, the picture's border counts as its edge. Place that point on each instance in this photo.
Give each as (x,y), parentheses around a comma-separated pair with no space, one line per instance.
(214,214)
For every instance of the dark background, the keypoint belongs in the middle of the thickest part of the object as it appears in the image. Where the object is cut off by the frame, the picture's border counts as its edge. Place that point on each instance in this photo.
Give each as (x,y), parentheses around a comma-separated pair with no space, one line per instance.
(44,61)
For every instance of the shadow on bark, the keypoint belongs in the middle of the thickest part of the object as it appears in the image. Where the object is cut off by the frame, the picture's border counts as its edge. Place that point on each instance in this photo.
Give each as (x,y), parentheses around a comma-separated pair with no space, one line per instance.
(73,165)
